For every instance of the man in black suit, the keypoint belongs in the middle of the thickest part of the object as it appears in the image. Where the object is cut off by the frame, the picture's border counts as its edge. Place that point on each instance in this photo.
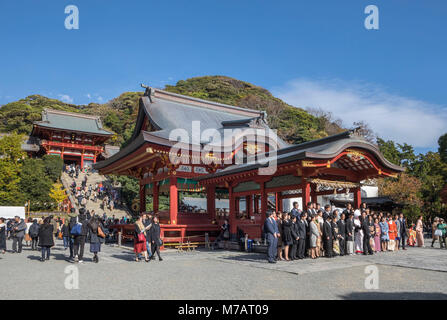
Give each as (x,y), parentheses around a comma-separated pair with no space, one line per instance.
(366,234)
(403,230)
(348,210)
(310,209)
(328,237)
(350,234)
(327,211)
(302,231)
(294,230)
(271,233)
(342,234)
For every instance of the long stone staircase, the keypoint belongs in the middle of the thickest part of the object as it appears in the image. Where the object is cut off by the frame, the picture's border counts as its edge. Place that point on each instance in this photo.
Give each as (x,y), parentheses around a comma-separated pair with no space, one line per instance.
(92,178)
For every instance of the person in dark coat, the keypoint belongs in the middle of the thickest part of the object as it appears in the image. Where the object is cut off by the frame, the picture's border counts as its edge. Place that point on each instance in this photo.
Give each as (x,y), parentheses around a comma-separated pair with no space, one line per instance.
(94,224)
(366,234)
(328,237)
(65,230)
(72,222)
(342,234)
(294,231)
(3,234)
(302,232)
(271,233)
(79,240)
(287,235)
(34,234)
(46,240)
(154,237)
(18,232)
(403,230)
(350,234)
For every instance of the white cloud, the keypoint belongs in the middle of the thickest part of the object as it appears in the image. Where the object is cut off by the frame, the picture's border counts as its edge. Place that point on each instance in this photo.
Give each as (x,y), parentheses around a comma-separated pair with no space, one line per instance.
(100,99)
(399,118)
(65,98)
(89,95)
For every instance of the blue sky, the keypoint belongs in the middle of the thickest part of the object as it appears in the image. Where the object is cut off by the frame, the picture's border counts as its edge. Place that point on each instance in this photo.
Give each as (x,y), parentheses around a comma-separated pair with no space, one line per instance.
(310,53)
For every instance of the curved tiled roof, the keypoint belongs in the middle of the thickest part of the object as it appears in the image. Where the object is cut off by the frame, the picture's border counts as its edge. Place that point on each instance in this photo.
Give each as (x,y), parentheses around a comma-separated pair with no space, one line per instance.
(325,148)
(71,121)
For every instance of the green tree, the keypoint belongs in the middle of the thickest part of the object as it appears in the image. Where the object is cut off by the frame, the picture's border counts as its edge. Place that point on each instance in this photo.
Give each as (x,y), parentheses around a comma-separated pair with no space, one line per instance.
(53,166)
(11,156)
(130,188)
(389,150)
(35,184)
(442,141)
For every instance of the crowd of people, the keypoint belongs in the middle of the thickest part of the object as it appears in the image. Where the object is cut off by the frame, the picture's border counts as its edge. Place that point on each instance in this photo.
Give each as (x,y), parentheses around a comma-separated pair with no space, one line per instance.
(323,232)
(109,197)
(75,231)
(316,232)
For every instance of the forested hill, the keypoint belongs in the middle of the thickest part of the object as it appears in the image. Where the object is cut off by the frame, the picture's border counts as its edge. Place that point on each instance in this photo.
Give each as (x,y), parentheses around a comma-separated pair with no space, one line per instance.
(294,125)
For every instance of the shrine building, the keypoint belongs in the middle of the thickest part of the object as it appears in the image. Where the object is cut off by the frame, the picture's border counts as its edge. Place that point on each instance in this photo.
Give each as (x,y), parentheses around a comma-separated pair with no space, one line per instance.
(230,180)
(75,137)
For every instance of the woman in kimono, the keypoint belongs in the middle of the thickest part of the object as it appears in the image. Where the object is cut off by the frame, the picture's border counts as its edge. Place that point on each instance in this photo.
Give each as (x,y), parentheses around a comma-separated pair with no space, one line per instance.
(319,248)
(358,233)
(377,235)
(384,238)
(434,227)
(287,238)
(420,232)
(411,236)
(392,233)
(335,243)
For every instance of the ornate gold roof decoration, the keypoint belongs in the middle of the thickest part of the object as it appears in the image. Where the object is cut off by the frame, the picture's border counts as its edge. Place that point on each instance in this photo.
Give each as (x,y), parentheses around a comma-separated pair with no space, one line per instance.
(329,184)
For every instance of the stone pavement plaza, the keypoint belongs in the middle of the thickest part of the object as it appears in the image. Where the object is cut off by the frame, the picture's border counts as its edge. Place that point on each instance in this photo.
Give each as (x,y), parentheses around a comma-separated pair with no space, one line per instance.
(417,273)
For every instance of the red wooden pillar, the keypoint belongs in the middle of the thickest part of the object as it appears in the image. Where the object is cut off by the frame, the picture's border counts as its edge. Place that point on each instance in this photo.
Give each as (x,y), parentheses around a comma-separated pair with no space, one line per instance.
(280,202)
(357,198)
(232,217)
(173,200)
(211,201)
(142,198)
(155,196)
(305,194)
(263,200)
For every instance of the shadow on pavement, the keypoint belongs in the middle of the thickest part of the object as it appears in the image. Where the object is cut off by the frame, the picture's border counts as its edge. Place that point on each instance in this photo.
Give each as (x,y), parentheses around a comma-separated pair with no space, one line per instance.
(57,256)
(394,296)
(126,257)
(253,257)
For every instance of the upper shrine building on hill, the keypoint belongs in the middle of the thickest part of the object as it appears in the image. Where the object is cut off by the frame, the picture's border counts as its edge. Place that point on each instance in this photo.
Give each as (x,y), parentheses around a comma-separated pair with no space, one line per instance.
(75,137)
(180,150)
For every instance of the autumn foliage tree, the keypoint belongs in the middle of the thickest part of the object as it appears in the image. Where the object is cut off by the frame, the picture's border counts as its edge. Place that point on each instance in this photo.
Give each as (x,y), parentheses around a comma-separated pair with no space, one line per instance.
(405,190)
(57,193)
